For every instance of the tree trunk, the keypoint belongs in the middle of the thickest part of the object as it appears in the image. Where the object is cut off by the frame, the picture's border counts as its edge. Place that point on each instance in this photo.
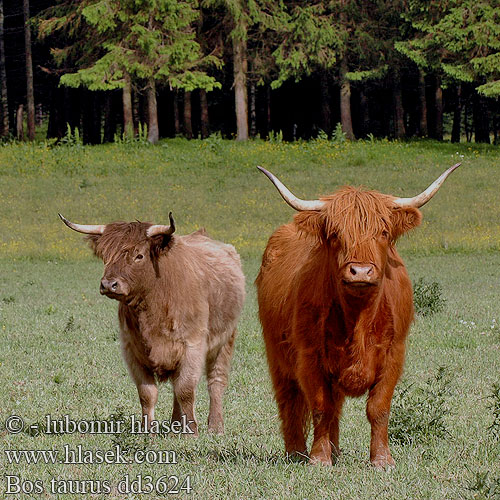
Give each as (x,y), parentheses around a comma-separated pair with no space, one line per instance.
(128,115)
(153,132)
(439,111)
(136,111)
(4,112)
(109,117)
(345,102)
(177,118)
(58,111)
(87,116)
(204,119)
(495,122)
(364,112)
(268,110)
(29,72)
(54,118)
(481,119)
(74,104)
(240,87)
(19,123)
(423,129)
(253,110)
(96,118)
(188,126)
(397,99)
(457,115)
(326,114)
(38,115)
(467,129)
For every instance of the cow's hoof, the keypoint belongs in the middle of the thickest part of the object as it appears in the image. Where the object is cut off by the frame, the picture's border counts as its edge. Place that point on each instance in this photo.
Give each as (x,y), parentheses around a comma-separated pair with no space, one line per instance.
(383,462)
(216,429)
(320,461)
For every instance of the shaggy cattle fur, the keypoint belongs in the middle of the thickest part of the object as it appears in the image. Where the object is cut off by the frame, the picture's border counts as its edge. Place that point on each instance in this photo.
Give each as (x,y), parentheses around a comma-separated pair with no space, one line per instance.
(179,302)
(328,333)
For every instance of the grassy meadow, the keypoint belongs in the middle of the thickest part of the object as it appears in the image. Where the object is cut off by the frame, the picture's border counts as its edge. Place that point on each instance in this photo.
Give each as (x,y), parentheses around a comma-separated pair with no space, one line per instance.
(59,347)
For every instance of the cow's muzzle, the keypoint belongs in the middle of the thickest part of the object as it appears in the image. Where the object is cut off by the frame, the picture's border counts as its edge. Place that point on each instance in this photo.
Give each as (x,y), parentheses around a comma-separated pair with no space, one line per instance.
(360,275)
(111,287)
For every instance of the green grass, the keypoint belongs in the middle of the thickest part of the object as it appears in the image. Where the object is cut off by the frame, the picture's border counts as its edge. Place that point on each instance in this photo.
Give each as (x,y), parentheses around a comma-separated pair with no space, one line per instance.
(215,184)
(59,348)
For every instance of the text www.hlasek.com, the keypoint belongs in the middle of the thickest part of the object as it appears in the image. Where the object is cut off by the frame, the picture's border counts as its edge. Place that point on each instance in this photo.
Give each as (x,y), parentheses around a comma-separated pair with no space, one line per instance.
(139,484)
(79,455)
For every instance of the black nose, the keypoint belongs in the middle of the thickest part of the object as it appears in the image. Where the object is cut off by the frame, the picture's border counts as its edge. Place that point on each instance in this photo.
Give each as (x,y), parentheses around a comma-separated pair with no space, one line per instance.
(108,285)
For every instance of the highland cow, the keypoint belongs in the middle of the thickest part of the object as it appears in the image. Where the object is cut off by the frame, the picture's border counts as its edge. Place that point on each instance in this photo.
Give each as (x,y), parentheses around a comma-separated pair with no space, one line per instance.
(179,302)
(335,303)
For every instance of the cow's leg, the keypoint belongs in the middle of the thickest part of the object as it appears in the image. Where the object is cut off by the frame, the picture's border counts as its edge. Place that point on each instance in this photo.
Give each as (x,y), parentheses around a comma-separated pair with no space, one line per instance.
(217,375)
(293,412)
(318,396)
(338,401)
(145,383)
(321,450)
(184,383)
(378,408)
(177,411)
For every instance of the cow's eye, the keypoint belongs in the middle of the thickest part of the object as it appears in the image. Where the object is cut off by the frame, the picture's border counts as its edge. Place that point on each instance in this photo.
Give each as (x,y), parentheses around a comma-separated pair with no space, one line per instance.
(385,235)
(138,257)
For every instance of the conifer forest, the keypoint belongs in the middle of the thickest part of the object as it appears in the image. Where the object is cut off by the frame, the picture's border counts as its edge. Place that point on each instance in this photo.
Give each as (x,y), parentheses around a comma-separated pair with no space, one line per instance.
(250,68)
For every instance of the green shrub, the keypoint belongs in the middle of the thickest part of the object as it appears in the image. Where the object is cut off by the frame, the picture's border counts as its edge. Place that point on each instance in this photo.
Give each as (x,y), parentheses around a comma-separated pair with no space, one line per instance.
(275,137)
(140,139)
(495,407)
(338,136)
(428,297)
(418,413)
(484,486)
(215,143)
(72,137)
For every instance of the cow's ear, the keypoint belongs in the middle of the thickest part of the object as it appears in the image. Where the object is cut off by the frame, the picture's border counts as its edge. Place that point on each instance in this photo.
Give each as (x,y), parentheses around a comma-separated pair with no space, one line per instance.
(157,245)
(160,242)
(404,219)
(93,241)
(311,222)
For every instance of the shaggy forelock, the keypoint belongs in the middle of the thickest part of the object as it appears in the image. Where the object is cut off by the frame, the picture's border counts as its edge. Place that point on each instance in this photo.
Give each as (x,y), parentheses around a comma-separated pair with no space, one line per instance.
(118,238)
(356,216)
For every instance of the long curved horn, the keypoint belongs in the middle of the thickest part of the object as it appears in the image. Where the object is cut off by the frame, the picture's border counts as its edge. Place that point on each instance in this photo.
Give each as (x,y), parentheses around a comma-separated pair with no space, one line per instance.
(422,198)
(289,197)
(161,229)
(83,228)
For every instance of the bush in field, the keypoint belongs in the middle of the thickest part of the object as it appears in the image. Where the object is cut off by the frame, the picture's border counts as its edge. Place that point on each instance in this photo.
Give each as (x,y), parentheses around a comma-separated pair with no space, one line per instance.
(140,138)
(338,135)
(418,413)
(72,137)
(215,143)
(428,297)
(484,487)
(495,407)
(275,137)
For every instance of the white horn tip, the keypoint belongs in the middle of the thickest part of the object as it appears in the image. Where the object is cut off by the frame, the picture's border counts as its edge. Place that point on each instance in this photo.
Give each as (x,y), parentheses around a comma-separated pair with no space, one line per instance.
(265,172)
(81,228)
(422,198)
(289,197)
(66,221)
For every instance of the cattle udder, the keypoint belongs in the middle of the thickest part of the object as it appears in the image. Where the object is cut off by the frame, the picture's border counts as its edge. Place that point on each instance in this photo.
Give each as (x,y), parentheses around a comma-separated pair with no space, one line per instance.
(336,304)
(180,298)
